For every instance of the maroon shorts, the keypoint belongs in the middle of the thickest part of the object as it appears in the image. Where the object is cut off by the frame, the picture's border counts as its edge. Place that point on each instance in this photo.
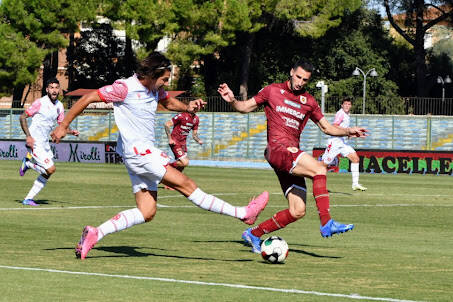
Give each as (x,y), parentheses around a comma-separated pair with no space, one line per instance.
(282,160)
(179,150)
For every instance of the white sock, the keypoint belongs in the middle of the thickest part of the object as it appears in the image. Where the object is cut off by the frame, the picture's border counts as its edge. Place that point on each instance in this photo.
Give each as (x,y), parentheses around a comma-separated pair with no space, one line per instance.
(355,173)
(214,204)
(39,183)
(36,167)
(122,220)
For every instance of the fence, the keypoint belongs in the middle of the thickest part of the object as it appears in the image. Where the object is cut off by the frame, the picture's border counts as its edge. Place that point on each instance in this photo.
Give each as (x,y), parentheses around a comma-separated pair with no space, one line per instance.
(378,105)
(243,136)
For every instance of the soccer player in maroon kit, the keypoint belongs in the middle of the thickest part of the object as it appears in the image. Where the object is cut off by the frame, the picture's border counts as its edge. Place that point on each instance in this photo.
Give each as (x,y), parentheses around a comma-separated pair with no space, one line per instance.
(288,107)
(182,123)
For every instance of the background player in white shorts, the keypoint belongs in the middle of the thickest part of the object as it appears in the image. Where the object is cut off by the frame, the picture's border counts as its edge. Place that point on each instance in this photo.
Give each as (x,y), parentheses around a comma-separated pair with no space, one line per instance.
(44,112)
(135,101)
(339,145)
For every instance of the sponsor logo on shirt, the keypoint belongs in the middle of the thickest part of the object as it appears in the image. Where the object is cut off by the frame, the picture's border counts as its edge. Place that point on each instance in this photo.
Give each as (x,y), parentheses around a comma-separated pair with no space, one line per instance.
(292,123)
(291,111)
(291,103)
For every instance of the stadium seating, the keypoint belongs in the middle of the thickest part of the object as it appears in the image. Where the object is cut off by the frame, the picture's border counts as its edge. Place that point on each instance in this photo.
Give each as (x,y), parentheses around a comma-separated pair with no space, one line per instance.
(234,135)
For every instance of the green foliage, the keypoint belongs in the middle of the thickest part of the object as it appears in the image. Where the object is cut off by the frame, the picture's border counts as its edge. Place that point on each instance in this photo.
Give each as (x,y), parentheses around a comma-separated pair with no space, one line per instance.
(19,59)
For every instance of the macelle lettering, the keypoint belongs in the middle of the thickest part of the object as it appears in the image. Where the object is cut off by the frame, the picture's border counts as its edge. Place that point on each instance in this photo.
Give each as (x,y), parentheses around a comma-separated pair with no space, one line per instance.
(290,111)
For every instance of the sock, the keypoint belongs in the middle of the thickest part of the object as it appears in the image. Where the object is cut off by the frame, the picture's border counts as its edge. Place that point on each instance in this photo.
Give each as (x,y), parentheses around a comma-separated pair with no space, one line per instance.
(120,221)
(214,204)
(276,222)
(321,197)
(355,173)
(39,183)
(36,167)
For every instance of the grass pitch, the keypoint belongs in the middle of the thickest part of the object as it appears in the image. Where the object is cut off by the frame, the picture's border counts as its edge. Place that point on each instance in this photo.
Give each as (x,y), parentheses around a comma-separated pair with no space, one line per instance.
(400,249)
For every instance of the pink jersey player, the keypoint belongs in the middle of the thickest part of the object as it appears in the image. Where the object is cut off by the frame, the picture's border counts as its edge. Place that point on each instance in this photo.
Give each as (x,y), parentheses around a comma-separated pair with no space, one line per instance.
(45,112)
(340,145)
(288,107)
(135,102)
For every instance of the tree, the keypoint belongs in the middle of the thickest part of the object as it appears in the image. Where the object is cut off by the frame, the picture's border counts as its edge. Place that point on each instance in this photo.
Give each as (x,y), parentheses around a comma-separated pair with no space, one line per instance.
(417,21)
(19,59)
(98,58)
(44,23)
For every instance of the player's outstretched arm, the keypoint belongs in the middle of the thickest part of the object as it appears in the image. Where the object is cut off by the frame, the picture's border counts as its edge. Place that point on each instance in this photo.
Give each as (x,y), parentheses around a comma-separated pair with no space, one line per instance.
(241,106)
(333,130)
(174,104)
(63,128)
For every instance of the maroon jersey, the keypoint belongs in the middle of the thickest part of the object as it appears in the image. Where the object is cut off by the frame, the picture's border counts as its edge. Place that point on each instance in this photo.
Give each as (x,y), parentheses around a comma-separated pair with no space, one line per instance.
(182,124)
(287,114)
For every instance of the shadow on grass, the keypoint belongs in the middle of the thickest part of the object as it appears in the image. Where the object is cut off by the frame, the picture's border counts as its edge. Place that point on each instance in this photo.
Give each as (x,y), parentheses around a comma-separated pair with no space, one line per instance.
(298,251)
(46,202)
(132,251)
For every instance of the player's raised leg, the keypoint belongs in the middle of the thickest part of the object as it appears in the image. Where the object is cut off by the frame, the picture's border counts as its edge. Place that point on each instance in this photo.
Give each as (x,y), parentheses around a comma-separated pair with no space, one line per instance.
(188,188)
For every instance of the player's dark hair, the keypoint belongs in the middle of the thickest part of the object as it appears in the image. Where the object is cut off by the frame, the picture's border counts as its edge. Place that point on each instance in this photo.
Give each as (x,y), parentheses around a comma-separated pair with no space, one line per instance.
(305,65)
(347,99)
(153,66)
(52,81)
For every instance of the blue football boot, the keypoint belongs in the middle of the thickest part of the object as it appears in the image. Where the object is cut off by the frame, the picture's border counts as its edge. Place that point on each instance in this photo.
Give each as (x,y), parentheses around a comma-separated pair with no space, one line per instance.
(332,227)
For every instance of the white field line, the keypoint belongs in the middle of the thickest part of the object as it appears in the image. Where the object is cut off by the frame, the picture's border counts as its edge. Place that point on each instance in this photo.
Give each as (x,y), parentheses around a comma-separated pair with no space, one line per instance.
(241,286)
(44,208)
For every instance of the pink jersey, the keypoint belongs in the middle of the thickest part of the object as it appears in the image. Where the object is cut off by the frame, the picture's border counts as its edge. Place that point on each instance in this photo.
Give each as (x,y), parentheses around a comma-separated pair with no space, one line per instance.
(287,113)
(182,124)
(134,107)
(44,114)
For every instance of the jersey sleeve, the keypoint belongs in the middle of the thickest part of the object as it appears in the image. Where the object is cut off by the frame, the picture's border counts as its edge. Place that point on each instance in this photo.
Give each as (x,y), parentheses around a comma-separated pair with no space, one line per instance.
(34,108)
(116,92)
(60,117)
(176,119)
(338,118)
(196,122)
(316,113)
(263,95)
(163,95)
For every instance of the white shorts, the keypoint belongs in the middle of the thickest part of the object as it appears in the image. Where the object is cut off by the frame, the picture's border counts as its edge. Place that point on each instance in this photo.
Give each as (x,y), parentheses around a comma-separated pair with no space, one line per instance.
(147,171)
(335,147)
(42,155)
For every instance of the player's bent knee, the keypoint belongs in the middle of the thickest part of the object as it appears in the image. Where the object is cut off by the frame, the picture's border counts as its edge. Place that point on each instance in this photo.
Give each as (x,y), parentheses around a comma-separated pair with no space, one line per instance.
(51,170)
(297,212)
(148,213)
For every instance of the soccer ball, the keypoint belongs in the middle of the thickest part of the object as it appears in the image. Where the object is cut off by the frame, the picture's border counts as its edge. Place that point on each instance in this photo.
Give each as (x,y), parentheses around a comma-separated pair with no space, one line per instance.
(274,249)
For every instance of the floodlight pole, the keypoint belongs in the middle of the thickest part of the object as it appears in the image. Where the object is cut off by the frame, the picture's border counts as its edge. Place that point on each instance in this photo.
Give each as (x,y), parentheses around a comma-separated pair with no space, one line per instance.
(373,74)
(441,80)
(324,89)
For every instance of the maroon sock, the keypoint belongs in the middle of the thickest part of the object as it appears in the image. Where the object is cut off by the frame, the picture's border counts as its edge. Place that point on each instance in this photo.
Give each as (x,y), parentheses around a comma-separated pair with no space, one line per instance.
(276,222)
(321,197)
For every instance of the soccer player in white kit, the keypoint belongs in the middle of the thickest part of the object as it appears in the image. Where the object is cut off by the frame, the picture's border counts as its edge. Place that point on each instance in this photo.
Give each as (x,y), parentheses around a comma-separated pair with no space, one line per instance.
(44,112)
(135,102)
(339,145)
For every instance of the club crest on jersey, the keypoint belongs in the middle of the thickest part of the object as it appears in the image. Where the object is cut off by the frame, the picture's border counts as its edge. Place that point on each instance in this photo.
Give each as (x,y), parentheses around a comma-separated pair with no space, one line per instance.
(291,103)
(282,91)
(303,99)
(292,149)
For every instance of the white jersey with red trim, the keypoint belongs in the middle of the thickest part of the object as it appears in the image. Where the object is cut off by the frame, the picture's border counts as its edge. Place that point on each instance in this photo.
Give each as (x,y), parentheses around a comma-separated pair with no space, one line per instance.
(44,114)
(342,119)
(135,113)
